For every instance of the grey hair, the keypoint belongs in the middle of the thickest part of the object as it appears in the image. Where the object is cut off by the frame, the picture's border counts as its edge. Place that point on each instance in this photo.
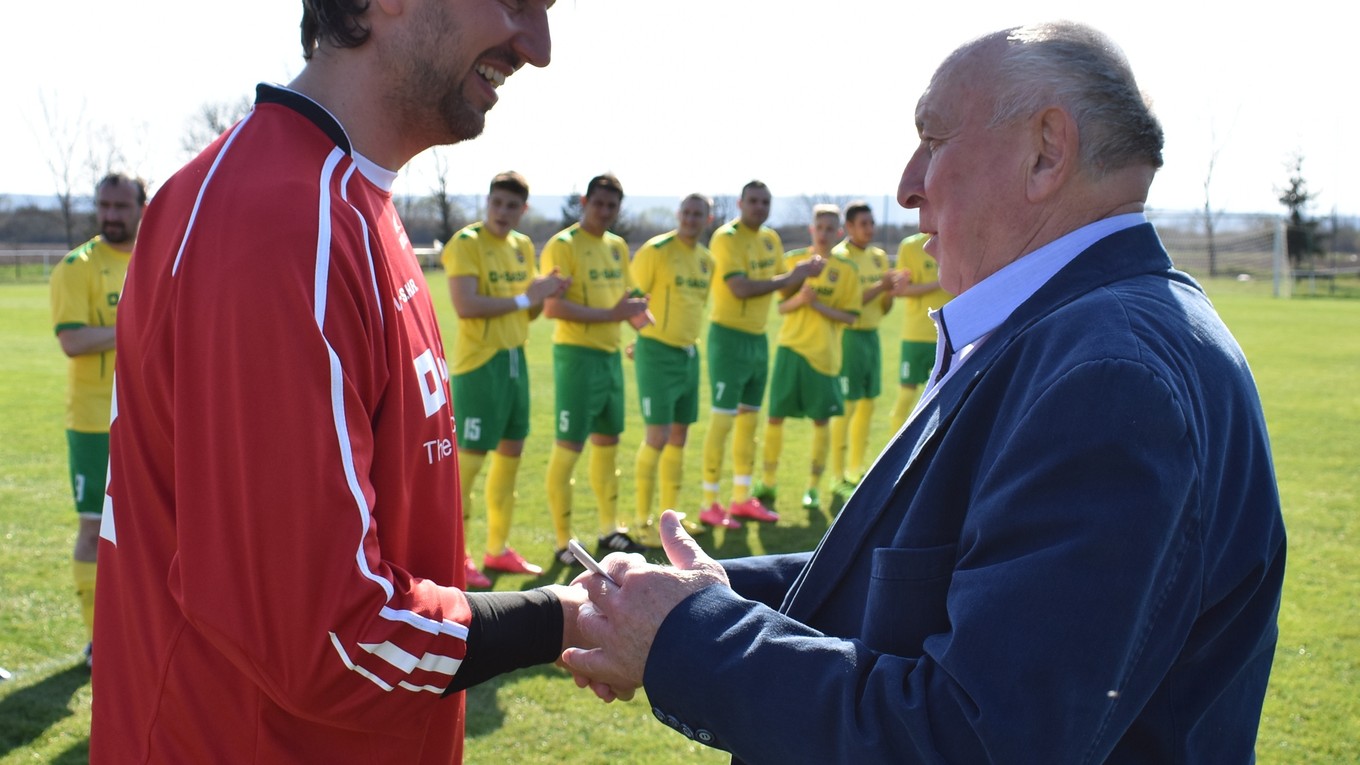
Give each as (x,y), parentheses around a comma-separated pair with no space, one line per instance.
(1083,71)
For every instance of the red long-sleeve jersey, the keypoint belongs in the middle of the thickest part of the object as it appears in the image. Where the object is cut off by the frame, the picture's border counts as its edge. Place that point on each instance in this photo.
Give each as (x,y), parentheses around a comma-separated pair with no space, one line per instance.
(282,527)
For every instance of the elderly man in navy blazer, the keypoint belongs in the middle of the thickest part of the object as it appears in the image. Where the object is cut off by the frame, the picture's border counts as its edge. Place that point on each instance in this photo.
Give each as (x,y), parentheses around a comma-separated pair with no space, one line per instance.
(1073,550)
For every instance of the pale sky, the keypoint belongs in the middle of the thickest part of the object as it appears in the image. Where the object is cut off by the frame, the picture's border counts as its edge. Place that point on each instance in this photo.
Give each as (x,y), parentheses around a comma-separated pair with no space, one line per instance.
(811,97)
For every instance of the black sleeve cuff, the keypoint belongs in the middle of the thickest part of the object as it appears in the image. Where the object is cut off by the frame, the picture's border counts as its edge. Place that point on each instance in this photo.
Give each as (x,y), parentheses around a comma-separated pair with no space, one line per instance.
(509,631)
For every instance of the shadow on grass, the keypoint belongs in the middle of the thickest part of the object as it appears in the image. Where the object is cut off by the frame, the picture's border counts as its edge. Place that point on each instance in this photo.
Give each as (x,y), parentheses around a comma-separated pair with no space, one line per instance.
(770,538)
(26,713)
(484,712)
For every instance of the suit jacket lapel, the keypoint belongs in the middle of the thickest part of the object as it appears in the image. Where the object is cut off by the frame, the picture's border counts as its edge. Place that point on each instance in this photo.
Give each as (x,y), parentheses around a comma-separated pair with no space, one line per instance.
(851,529)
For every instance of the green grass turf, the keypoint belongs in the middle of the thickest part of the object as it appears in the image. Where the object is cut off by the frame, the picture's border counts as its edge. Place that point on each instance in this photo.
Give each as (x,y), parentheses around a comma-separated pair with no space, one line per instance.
(1304,352)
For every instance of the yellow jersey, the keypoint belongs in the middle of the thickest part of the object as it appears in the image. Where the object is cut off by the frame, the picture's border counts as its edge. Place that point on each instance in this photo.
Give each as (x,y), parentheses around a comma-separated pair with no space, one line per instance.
(503,267)
(919,268)
(812,335)
(873,263)
(598,269)
(676,279)
(85,288)
(740,250)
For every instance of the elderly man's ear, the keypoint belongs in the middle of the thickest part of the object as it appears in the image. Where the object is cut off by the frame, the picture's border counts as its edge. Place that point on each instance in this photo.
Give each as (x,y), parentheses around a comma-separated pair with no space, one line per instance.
(1056,155)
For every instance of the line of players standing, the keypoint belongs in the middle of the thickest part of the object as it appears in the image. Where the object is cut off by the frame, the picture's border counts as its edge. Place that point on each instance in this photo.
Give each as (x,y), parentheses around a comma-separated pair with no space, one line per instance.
(832,294)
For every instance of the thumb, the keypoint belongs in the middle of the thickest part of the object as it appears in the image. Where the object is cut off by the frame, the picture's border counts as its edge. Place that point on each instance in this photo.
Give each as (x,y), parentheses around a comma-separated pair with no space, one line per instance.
(683,552)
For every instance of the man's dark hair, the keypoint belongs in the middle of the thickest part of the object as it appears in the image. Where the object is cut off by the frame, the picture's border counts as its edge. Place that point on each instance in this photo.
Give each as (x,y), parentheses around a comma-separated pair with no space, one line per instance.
(606,181)
(856,209)
(118,179)
(753,185)
(512,182)
(338,22)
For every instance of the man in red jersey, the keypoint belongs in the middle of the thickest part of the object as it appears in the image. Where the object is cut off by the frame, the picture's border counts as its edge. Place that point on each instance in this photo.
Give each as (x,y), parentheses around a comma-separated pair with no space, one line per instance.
(282,555)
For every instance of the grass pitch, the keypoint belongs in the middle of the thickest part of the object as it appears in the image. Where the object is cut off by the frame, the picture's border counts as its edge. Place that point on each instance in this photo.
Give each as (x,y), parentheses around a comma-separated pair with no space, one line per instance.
(1305,354)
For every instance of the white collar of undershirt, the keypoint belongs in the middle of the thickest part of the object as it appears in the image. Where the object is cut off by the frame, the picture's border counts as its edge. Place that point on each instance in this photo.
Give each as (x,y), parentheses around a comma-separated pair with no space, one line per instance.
(979,310)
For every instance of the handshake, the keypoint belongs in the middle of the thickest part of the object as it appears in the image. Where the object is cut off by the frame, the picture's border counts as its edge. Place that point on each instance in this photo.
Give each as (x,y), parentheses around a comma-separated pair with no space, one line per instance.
(611,618)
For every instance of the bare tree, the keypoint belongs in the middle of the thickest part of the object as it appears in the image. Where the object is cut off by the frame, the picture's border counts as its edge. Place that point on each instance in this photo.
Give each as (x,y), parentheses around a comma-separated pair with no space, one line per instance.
(1210,216)
(103,154)
(211,120)
(62,138)
(446,205)
(724,210)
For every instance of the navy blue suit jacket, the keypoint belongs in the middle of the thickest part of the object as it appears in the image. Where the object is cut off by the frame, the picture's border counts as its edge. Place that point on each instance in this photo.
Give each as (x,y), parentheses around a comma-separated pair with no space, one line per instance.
(1073,553)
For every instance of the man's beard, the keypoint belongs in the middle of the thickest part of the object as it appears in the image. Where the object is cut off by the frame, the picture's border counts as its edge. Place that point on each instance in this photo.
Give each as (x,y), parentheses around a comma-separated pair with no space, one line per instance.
(114,233)
(462,120)
(431,74)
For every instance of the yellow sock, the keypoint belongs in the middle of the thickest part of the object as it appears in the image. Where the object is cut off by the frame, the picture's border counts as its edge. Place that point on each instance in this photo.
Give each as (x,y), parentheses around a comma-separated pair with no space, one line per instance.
(906,399)
(743,454)
(561,465)
(672,476)
(821,440)
(774,447)
(469,465)
(840,425)
(604,481)
(860,423)
(644,479)
(500,501)
(83,573)
(715,444)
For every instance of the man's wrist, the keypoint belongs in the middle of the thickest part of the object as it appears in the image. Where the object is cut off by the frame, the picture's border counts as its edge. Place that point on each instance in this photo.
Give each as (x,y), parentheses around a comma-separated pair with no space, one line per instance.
(522,301)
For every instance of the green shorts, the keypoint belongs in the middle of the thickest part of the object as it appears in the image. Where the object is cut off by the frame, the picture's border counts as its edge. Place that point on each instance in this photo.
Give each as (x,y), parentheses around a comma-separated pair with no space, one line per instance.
(667,381)
(798,390)
(88,457)
(589,386)
(861,365)
(738,365)
(918,358)
(491,403)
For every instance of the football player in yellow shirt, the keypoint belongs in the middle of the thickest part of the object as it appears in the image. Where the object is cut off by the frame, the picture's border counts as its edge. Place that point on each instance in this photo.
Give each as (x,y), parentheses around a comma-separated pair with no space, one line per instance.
(674,270)
(587,371)
(85,288)
(808,356)
(861,375)
(496,292)
(920,289)
(748,268)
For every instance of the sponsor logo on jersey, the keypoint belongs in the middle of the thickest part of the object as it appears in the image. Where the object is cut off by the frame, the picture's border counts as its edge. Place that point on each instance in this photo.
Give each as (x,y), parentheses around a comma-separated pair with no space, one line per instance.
(405,292)
(691,282)
(507,276)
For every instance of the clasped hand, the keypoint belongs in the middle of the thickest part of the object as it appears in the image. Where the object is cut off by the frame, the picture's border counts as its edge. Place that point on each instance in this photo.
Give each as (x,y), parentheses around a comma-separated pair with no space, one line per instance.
(622,621)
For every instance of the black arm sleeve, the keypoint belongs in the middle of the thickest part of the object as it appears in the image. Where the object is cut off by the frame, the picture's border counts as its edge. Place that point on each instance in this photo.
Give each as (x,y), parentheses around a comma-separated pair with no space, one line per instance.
(509,630)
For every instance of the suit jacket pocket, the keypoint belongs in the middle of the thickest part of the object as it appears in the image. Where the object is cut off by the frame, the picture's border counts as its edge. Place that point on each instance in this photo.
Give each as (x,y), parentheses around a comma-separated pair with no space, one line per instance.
(906,599)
